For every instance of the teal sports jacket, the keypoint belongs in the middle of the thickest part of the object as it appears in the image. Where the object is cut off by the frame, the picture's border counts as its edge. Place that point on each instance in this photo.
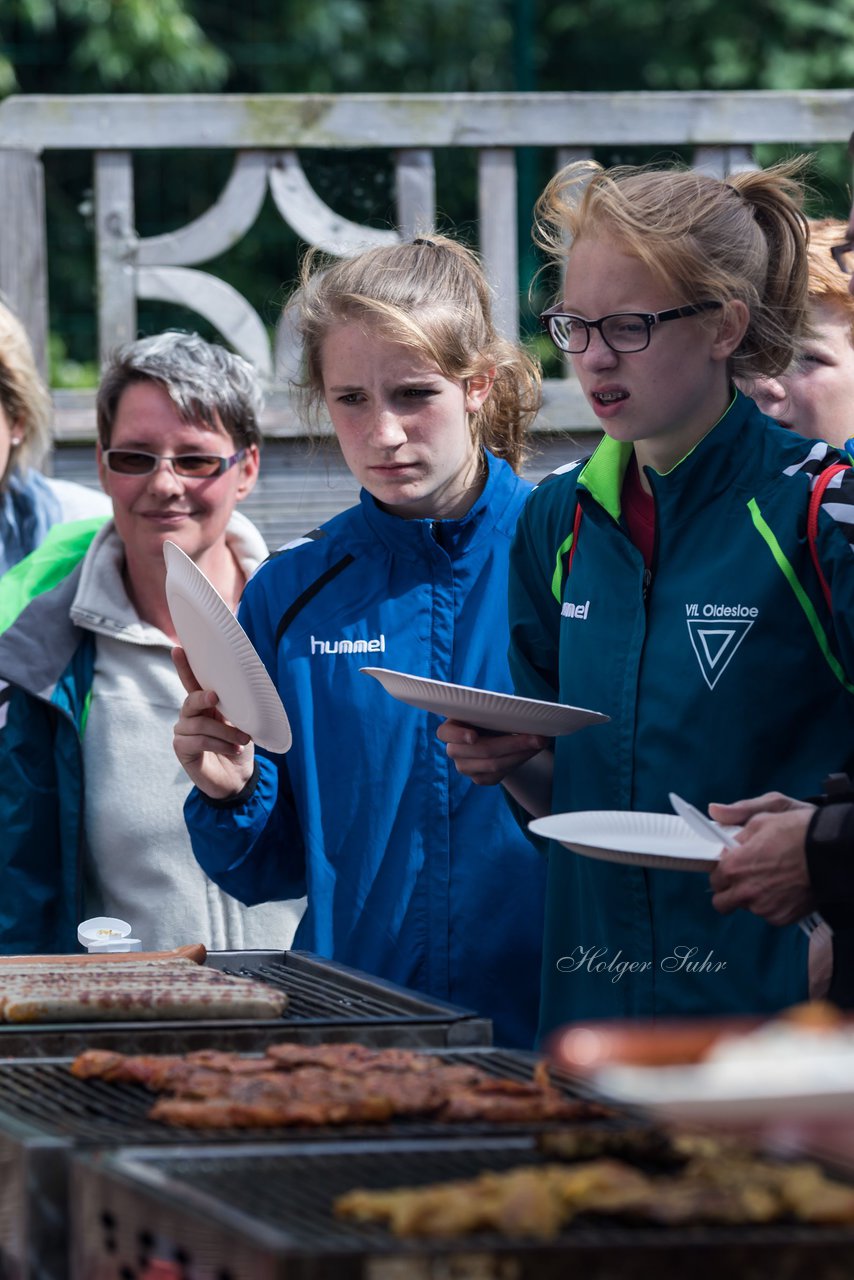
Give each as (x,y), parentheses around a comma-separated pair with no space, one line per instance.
(725,675)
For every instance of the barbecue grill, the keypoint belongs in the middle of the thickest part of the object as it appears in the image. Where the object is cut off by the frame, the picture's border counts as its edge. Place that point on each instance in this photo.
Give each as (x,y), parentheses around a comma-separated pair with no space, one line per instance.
(265,1213)
(326,1002)
(46,1114)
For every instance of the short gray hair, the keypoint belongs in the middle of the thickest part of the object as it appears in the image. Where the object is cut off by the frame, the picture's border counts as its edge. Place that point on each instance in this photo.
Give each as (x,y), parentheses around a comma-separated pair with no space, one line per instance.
(206,383)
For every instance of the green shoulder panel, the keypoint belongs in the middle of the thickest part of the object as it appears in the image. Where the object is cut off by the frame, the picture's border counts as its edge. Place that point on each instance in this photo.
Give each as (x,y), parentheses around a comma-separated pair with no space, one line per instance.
(787,569)
(602,475)
(47,566)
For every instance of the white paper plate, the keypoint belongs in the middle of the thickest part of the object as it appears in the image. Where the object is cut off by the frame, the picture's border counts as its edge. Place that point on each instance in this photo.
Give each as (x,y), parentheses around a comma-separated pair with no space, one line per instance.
(222,655)
(642,839)
(692,1093)
(500,712)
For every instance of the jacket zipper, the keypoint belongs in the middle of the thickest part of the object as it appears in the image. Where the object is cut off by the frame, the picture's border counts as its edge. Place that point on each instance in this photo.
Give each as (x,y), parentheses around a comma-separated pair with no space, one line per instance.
(648,569)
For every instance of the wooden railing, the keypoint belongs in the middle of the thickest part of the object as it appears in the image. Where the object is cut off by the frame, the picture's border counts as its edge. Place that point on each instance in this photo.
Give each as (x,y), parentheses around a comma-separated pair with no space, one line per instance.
(267,135)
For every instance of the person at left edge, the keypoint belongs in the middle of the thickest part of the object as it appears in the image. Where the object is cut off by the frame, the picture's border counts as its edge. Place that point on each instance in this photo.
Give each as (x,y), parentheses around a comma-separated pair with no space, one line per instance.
(412,873)
(30,502)
(91,802)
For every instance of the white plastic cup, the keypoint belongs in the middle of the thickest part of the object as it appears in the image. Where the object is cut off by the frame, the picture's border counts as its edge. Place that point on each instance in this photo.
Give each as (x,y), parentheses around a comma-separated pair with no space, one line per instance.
(104,933)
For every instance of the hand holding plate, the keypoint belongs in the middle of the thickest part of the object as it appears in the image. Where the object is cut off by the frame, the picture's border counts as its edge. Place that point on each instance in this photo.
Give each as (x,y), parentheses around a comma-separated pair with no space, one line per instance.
(217,756)
(221,654)
(485,757)
(767,872)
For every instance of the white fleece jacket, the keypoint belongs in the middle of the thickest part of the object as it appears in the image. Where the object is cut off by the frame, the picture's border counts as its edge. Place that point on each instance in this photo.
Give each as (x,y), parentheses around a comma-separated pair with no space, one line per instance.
(140,866)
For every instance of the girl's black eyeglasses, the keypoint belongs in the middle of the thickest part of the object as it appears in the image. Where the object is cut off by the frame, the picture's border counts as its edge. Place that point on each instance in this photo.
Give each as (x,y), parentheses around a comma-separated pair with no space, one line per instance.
(621,331)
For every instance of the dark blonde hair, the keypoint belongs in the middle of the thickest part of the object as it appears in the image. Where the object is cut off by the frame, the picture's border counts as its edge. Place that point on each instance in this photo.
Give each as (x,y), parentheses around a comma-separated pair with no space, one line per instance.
(429,294)
(23,394)
(743,238)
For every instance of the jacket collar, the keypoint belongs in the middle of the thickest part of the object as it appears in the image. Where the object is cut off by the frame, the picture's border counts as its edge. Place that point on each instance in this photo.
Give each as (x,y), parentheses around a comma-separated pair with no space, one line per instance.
(416,538)
(101,603)
(46,597)
(708,465)
(28,508)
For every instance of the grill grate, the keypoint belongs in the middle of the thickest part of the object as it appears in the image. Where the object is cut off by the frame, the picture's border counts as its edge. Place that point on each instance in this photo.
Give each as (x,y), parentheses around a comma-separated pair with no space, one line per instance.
(326,1001)
(311,996)
(296,1194)
(95,1112)
(293,1194)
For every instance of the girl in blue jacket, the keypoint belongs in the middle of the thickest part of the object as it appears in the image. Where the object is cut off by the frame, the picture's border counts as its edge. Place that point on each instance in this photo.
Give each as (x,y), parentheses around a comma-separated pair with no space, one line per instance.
(669,581)
(411,872)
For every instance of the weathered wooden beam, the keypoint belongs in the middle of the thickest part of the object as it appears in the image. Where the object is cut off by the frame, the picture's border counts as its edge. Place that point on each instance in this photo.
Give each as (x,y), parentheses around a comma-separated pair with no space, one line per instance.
(116,243)
(132,121)
(23,246)
(497,215)
(415,183)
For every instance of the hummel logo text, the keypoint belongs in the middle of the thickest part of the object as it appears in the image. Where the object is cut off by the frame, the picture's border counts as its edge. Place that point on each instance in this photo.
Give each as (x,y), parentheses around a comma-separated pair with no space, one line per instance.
(568,610)
(348,646)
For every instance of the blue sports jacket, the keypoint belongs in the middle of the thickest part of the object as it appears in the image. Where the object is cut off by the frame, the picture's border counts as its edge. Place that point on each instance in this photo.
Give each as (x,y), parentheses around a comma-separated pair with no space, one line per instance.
(412,873)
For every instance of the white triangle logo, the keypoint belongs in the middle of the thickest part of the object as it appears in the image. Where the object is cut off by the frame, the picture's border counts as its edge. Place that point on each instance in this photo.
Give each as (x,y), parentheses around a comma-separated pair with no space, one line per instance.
(715,644)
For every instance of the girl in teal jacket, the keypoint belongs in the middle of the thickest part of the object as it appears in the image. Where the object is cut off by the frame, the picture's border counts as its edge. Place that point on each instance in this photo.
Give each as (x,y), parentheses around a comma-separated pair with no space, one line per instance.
(669,582)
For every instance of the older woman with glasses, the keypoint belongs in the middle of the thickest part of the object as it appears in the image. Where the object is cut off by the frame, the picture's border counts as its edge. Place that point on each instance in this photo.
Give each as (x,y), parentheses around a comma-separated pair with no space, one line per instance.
(90,798)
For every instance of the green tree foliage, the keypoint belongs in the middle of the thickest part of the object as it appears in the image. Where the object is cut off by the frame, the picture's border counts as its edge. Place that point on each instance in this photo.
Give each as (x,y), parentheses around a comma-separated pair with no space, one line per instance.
(702,44)
(705,44)
(344,46)
(105,46)
(94,46)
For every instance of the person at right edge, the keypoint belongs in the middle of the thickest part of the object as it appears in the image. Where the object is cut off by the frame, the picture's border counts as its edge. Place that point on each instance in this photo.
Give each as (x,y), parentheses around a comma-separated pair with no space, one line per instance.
(793,856)
(670,582)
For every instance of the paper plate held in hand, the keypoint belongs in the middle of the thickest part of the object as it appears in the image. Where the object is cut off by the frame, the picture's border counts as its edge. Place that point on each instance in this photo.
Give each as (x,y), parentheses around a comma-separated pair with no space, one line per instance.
(659,840)
(498,712)
(221,654)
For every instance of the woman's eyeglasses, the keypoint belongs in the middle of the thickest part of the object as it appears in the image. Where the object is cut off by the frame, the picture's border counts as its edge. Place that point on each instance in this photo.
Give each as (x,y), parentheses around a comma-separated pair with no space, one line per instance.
(192,466)
(621,331)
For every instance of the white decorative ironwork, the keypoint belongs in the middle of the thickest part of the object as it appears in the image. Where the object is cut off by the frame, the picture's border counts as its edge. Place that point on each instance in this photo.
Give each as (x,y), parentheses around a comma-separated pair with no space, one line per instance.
(268,134)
